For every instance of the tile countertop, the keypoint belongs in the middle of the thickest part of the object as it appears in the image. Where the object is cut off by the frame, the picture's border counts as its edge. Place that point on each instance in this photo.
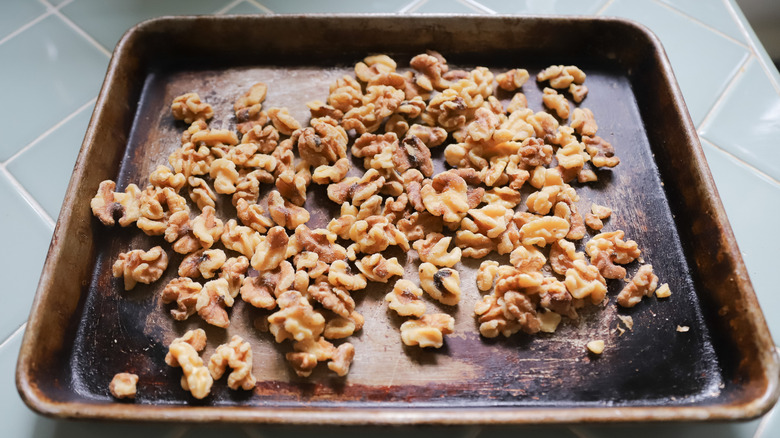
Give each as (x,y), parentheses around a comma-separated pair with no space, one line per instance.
(56,52)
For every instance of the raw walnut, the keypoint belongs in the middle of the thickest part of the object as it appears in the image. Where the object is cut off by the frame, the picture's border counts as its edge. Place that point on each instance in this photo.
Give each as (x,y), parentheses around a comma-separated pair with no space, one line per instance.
(262,291)
(373,66)
(295,319)
(441,284)
(534,152)
(163,177)
(217,139)
(513,79)
(413,153)
(320,241)
(203,262)
(123,385)
(265,138)
(342,359)
(486,275)
(285,213)
(607,248)
(583,280)
(238,356)
(427,331)
(212,301)
(233,271)
(377,268)
(139,266)
(418,225)
(309,263)
(601,152)
(335,299)
(376,150)
(248,108)
(544,231)
(473,244)
(556,102)
(432,66)
(560,76)
(518,102)
(183,352)
(283,121)
(345,94)
(527,259)
(206,228)
(492,219)
(434,250)
(185,292)
(642,285)
(375,234)
(339,275)
(240,238)
(252,216)
(405,299)
(200,193)
(503,196)
(356,190)
(446,196)
(325,174)
(562,256)
(598,213)
(578,92)
(309,352)
(340,328)
(583,122)
(271,250)
(191,160)
(189,108)
(107,204)
(225,176)
(319,109)
(429,135)
(324,143)
(506,314)
(379,102)
(157,205)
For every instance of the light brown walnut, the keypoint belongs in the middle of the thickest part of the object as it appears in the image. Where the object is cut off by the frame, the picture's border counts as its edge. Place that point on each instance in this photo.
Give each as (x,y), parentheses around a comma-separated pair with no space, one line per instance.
(340,275)
(377,268)
(157,205)
(504,196)
(248,108)
(433,249)
(345,94)
(252,216)
(513,79)
(601,152)
(234,271)
(583,122)
(486,275)
(562,256)
(428,331)
(446,196)
(212,301)
(642,285)
(204,263)
(340,328)
(335,299)
(620,251)
(320,241)
(578,92)
(139,266)
(183,352)
(309,263)
(584,280)
(431,66)
(544,231)
(285,213)
(123,385)
(262,291)
(207,228)
(356,190)
(239,238)
(413,153)
(375,234)
(266,138)
(324,143)
(237,354)
(185,293)
(163,177)
(443,284)
(189,108)
(319,109)
(107,204)
(295,319)
(191,160)
(561,77)
(283,121)
(405,300)
(374,65)
(518,102)
(271,250)
(342,359)
(556,102)
(431,136)
(326,174)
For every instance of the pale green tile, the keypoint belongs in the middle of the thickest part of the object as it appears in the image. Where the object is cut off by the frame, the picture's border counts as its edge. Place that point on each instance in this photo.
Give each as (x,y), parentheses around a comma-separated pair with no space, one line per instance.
(54,157)
(244,8)
(362,431)
(675,430)
(771,428)
(107,21)
(569,7)
(714,13)
(757,46)
(692,50)
(55,71)
(751,205)
(333,6)
(16,13)
(445,7)
(747,122)
(25,236)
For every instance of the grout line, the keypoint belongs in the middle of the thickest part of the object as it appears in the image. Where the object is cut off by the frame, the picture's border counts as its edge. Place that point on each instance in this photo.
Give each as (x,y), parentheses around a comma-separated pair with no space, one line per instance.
(471,6)
(17,331)
(412,5)
(770,179)
(707,26)
(414,8)
(722,97)
(752,42)
(48,132)
(480,6)
(261,6)
(30,199)
(26,26)
(604,7)
(59,6)
(228,7)
(83,33)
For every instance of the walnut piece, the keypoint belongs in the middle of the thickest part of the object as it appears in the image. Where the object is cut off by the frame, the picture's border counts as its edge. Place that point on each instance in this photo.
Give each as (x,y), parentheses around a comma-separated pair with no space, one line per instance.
(189,108)
(139,266)
(434,250)
(601,152)
(123,385)
(486,275)
(513,79)
(248,108)
(335,299)
(556,102)
(271,250)
(240,238)
(428,331)
(295,319)
(596,347)
(262,291)
(237,354)
(107,204)
(377,268)
(446,196)
(185,292)
(583,122)
(339,275)
(203,262)
(405,299)
(285,213)
(583,280)
(642,285)
(183,352)
(212,301)
(560,76)
(252,216)
(442,284)
(283,121)
(544,231)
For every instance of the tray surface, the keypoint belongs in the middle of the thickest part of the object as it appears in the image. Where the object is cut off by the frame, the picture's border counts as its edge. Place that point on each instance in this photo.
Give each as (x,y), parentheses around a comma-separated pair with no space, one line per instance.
(110,330)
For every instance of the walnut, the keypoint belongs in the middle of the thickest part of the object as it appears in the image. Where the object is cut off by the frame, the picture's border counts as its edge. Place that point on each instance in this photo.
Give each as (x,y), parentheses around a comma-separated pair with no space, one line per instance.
(373,66)
(446,196)
(642,285)
(185,292)
(271,250)
(562,256)
(319,109)
(583,280)
(377,268)
(375,149)
(663,291)
(285,213)
(234,270)
(339,275)
(345,94)
(430,136)
(486,275)
(262,291)
(513,79)
(225,176)
(340,328)
(356,190)
(203,262)
(380,101)
(474,245)
(123,385)
(335,299)
(191,160)
(206,227)
(492,219)
(545,126)
(506,314)
(556,298)
(248,186)
(325,174)
(212,301)
(309,352)
(139,266)
(544,231)
(183,352)
(309,263)
(417,225)
(441,284)
(431,66)
(583,122)
(375,234)
(428,331)
(413,153)
(163,177)
(265,138)
(411,108)
(295,319)
(502,196)
(302,362)
(578,92)
(248,108)
(283,121)
(189,108)
(240,238)
(157,205)
(434,250)
(452,108)
(397,125)
(518,102)
(601,152)
(527,259)
(107,204)
(405,299)
(324,143)
(560,76)
(200,193)
(342,359)
(596,347)
(534,152)
(320,241)
(252,215)
(620,252)
(238,356)
(556,102)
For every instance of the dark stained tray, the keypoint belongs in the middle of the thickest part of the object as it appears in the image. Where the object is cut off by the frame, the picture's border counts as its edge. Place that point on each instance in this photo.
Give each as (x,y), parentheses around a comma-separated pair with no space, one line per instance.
(84,328)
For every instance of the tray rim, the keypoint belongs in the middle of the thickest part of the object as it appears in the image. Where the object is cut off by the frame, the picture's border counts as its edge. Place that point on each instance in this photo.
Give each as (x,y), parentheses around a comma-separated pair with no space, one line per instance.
(768,355)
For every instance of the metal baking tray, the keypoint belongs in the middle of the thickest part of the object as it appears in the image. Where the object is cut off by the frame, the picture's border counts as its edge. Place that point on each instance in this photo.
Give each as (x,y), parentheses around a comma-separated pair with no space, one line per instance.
(84,328)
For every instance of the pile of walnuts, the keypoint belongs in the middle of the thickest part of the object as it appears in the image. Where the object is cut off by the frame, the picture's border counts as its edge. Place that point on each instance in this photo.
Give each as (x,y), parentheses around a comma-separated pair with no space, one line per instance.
(390,119)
